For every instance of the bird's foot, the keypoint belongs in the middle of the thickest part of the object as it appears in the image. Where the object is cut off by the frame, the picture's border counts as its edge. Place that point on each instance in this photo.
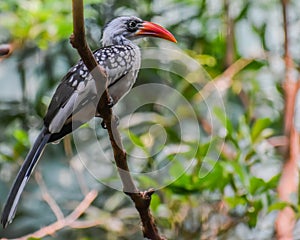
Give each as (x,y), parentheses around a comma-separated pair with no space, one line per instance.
(110,102)
(103,124)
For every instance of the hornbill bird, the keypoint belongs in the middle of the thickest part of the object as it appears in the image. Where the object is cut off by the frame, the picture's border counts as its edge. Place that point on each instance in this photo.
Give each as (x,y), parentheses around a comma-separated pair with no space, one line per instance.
(72,104)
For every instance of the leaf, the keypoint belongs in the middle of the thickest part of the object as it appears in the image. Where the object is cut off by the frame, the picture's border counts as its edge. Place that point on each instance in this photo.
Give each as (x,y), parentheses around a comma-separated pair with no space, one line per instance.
(235,201)
(176,168)
(155,202)
(257,185)
(136,140)
(241,172)
(278,206)
(221,115)
(147,182)
(258,127)
(21,136)
(253,211)
(216,179)
(273,182)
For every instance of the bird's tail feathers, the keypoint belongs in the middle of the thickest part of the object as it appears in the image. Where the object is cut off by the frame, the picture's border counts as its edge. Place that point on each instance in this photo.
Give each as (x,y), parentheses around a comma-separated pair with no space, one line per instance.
(23,175)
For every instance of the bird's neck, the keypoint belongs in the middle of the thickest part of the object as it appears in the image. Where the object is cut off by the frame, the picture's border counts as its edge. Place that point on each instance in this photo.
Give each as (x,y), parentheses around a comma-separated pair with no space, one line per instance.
(116,40)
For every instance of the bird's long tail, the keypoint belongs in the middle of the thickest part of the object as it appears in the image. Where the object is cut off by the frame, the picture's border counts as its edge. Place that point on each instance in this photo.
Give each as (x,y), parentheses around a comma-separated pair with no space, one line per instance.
(23,175)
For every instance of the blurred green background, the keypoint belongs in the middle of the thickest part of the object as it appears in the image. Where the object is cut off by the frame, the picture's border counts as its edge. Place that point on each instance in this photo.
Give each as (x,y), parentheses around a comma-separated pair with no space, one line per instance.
(236,200)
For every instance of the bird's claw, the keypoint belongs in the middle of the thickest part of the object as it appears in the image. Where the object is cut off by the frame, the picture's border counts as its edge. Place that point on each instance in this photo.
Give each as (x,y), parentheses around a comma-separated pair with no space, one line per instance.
(103,124)
(110,102)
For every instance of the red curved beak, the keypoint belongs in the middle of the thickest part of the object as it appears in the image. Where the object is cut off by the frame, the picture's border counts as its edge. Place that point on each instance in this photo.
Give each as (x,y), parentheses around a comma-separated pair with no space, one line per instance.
(155,30)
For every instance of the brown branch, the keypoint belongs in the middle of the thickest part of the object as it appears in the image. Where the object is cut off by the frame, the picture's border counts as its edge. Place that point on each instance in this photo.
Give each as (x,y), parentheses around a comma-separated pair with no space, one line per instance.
(224,81)
(68,146)
(230,46)
(141,199)
(278,141)
(85,224)
(289,182)
(5,49)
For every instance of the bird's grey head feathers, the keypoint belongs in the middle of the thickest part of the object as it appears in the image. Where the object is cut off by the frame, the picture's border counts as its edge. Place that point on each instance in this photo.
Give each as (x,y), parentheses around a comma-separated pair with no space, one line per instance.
(121,30)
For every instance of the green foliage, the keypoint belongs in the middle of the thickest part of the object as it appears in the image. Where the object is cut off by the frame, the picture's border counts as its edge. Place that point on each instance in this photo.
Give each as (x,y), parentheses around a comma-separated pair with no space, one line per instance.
(228,174)
(41,22)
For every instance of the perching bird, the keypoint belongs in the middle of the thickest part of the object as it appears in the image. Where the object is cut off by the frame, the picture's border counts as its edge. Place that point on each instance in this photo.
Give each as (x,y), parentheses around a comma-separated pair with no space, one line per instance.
(75,99)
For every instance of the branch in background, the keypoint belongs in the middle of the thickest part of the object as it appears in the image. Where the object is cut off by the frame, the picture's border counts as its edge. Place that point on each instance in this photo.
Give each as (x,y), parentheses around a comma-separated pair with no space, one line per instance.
(48,198)
(77,167)
(224,81)
(68,221)
(278,141)
(289,182)
(62,221)
(5,50)
(141,199)
(230,46)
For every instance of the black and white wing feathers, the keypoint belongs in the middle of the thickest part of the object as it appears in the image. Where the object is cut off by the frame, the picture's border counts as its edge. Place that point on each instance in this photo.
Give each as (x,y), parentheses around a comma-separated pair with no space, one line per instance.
(77,89)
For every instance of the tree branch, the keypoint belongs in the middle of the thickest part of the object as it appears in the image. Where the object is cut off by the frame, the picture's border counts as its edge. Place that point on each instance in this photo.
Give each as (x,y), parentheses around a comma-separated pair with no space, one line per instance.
(224,81)
(141,199)
(289,182)
(5,50)
(230,46)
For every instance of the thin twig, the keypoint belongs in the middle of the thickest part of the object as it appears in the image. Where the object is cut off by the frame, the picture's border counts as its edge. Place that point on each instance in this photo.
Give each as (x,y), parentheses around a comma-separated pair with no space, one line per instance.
(68,146)
(224,81)
(67,221)
(86,224)
(76,165)
(47,197)
(141,199)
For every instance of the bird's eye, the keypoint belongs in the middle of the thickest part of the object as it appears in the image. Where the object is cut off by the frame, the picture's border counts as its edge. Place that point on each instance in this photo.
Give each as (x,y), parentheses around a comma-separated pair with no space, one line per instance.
(132,25)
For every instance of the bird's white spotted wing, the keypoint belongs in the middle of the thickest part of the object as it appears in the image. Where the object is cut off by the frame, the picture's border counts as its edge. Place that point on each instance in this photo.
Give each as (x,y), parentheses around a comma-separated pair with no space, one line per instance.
(76,97)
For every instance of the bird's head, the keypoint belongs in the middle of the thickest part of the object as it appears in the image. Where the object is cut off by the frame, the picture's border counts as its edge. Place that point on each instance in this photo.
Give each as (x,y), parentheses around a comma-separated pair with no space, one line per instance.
(122,30)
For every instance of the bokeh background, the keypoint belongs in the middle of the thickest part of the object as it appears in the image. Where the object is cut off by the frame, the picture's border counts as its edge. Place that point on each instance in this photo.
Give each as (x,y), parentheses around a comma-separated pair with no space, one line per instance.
(241,46)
